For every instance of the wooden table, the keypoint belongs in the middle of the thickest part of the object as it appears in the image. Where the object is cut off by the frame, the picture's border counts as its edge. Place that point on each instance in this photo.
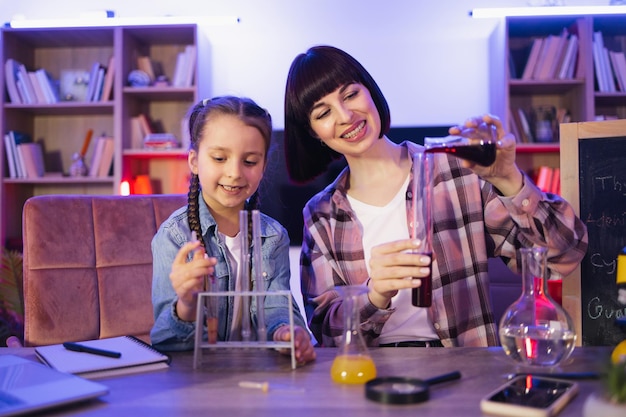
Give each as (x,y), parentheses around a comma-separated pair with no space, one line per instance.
(213,390)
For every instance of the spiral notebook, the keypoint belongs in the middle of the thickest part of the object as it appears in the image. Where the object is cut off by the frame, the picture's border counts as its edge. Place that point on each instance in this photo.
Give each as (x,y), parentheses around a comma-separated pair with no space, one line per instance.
(136,356)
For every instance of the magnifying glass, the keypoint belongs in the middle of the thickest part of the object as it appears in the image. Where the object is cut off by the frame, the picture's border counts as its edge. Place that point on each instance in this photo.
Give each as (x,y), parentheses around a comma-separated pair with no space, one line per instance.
(402,390)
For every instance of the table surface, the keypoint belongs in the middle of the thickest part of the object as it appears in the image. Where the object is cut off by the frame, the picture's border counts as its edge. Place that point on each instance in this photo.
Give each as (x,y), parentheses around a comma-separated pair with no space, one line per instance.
(213,389)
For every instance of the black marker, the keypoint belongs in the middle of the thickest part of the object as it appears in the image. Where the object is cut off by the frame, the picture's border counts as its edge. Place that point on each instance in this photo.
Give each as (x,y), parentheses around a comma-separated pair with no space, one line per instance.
(87,349)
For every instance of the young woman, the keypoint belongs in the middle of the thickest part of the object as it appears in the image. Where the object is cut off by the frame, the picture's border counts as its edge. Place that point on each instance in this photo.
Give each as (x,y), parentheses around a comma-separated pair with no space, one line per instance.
(230,140)
(355,230)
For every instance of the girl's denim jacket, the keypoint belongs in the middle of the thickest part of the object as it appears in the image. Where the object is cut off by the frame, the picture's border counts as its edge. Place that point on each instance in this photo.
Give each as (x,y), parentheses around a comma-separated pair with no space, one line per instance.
(170,333)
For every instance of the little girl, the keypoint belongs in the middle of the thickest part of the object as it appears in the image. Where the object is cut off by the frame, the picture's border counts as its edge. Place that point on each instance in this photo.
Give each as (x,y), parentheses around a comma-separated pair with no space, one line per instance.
(230,140)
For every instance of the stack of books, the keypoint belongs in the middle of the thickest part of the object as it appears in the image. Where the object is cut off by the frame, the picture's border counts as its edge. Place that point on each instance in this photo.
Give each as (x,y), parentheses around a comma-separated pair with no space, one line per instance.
(38,86)
(553,57)
(185,67)
(24,157)
(29,87)
(609,66)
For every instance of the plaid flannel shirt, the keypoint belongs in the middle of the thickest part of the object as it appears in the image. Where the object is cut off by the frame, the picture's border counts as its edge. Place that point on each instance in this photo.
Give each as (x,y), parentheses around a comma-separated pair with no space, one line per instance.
(471,223)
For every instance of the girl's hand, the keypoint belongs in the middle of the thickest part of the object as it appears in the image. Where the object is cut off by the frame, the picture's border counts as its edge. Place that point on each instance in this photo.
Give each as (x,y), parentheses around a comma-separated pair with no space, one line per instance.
(302,343)
(503,173)
(188,278)
(392,267)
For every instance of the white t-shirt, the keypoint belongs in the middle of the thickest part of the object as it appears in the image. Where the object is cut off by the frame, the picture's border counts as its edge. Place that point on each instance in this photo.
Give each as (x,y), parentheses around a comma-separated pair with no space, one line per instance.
(386,224)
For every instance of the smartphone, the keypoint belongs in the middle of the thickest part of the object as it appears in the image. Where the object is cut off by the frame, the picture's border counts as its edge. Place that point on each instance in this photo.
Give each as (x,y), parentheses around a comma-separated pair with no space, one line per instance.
(529,396)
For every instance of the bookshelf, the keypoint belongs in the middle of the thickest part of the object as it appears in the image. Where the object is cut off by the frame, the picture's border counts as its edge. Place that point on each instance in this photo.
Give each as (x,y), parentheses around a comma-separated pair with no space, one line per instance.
(510,46)
(61,127)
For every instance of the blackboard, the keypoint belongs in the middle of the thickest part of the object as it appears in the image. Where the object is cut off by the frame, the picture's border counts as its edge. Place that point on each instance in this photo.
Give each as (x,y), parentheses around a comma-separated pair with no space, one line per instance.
(601,172)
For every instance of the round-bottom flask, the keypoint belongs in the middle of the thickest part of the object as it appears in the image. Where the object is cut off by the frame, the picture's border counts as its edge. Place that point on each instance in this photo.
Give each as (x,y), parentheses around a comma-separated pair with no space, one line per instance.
(353,364)
(535,330)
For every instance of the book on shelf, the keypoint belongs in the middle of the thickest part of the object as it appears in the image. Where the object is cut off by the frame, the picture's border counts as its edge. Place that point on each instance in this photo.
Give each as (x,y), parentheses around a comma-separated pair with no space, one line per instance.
(160,141)
(533,57)
(548,179)
(91,82)
(25,86)
(10,156)
(619,69)
(621,63)
(102,156)
(550,56)
(546,45)
(107,87)
(146,124)
(555,187)
(561,49)
(524,124)
(48,86)
(11,140)
(190,65)
(39,94)
(31,154)
(99,84)
(602,66)
(514,127)
(568,64)
(11,69)
(107,156)
(184,70)
(135,356)
(136,133)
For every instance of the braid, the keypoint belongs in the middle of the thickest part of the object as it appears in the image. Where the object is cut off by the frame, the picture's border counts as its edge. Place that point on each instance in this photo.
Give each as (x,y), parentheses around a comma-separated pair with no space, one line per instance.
(193,211)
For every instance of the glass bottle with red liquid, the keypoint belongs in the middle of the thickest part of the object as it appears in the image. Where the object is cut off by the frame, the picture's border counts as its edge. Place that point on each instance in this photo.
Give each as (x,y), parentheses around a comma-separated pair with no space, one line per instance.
(353,363)
(536,331)
(474,144)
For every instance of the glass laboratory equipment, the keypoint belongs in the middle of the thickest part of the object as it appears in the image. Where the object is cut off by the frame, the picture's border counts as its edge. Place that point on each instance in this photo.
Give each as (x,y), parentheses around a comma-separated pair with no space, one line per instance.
(474,144)
(421,227)
(353,364)
(535,330)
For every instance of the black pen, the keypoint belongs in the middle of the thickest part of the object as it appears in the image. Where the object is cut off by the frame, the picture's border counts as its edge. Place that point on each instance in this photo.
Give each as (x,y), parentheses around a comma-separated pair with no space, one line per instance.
(76,347)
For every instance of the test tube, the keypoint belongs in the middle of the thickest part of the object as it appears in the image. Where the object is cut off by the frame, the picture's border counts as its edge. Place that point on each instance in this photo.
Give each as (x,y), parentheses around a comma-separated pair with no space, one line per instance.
(258,275)
(210,303)
(244,274)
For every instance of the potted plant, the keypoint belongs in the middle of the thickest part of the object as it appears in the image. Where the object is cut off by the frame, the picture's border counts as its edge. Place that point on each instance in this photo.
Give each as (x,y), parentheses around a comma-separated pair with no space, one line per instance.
(11,296)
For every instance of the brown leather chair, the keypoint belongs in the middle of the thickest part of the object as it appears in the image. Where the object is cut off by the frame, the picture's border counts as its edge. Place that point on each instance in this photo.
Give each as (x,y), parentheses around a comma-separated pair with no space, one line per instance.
(88,265)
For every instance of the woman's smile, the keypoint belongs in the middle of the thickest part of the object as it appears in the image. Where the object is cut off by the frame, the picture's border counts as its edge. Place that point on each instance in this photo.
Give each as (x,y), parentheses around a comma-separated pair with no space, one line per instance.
(355,132)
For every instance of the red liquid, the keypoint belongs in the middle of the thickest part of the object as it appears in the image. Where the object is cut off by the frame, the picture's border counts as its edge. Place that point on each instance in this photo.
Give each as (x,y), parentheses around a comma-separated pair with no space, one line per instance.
(422,296)
(481,153)
(211,324)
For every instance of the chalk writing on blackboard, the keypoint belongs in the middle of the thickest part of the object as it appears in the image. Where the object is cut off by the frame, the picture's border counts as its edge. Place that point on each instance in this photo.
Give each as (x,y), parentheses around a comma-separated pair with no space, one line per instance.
(602,188)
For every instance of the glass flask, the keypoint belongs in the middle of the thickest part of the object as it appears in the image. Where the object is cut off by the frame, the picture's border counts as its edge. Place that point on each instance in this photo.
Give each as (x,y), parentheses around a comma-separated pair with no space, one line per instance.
(353,364)
(474,144)
(535,331)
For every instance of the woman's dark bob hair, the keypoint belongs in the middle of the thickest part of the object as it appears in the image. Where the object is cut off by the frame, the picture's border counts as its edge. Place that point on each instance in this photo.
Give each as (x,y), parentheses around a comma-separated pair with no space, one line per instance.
(314,74)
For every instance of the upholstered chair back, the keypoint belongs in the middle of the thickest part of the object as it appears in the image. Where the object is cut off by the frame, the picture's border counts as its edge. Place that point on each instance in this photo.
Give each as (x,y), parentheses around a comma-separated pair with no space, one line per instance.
(88,265)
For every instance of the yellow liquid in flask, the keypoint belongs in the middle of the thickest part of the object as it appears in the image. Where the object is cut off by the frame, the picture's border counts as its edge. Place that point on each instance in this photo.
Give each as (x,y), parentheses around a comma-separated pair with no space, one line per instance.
(352,369)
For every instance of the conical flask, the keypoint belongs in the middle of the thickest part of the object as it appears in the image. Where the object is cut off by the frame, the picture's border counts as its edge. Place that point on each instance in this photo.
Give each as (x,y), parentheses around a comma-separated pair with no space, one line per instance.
(353,364)
(536,331)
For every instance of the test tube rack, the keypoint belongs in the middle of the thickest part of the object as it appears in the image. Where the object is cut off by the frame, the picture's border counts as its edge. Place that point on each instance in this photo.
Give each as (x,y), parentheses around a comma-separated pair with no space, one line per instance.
(201,343)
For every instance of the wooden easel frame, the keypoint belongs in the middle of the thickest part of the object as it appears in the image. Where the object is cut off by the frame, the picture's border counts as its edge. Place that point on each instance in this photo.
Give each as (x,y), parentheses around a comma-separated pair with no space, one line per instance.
(570,135)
